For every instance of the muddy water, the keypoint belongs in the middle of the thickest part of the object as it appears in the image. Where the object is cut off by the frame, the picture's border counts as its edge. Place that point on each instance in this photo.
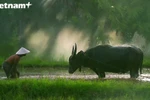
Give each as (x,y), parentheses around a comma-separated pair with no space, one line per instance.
(63,73)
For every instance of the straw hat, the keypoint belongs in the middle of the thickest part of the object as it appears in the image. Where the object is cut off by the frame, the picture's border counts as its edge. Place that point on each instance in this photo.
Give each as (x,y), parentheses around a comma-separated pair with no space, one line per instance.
(22,50)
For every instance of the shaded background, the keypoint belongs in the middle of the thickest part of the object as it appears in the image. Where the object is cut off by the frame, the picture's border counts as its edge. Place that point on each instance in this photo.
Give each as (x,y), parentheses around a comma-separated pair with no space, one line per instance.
(49,28)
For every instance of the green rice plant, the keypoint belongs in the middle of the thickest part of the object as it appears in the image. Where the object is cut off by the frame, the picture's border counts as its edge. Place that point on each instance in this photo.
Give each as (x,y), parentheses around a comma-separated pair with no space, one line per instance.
(72,89)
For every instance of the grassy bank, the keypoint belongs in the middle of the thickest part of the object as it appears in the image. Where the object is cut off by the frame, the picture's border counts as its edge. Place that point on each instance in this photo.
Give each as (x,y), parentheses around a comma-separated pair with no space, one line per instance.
(67,89)
(43,63)
(61,63)
(37,62)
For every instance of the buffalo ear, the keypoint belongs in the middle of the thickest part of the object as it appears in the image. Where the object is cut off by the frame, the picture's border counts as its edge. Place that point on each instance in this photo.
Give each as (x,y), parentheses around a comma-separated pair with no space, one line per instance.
(80,54)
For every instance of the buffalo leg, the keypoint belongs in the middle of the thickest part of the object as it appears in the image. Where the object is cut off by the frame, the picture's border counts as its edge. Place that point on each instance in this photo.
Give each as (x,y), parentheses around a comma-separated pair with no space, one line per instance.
(95,71)
(134,73)
(101,75)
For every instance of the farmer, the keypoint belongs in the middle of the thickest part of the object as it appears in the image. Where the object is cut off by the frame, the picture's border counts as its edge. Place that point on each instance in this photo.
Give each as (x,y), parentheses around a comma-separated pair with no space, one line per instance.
(10,64)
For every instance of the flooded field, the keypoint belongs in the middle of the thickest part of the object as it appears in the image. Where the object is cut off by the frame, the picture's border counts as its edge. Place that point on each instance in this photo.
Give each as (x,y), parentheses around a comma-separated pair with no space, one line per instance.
(63,73)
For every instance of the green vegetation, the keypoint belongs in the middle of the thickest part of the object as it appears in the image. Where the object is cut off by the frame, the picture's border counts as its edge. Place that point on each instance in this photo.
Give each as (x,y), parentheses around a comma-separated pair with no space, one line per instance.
(61,63)
(95,17)
(45,20)
(146,62)
(37,62)
(67,89)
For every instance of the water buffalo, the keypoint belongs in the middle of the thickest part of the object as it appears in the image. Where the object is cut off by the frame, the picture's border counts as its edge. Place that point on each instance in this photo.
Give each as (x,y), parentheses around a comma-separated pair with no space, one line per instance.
(107,58)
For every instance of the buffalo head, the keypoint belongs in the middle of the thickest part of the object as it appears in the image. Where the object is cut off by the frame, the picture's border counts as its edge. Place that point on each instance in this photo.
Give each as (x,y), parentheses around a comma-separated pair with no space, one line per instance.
(75,60)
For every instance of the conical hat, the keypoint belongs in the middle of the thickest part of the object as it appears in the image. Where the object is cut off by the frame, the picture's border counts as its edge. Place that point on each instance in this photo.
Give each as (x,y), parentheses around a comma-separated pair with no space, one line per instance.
(22,50)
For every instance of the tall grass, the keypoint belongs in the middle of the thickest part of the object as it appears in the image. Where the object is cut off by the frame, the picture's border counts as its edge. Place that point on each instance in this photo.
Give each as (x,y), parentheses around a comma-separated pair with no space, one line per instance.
(67,89)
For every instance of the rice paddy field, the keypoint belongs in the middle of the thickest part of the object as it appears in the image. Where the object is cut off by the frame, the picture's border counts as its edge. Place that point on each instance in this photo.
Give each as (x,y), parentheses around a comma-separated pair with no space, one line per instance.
(69,89)
(45,80)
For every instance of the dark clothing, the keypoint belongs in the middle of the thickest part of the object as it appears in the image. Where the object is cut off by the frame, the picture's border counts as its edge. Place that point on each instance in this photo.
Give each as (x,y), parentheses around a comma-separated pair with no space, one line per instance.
(11,72)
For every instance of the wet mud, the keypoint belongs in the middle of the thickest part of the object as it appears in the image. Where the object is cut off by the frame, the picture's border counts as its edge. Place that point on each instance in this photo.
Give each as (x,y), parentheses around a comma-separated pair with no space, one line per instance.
(54,73)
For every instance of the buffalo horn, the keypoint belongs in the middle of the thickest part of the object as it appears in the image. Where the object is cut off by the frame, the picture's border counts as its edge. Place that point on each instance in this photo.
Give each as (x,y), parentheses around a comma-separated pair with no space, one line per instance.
(75,50)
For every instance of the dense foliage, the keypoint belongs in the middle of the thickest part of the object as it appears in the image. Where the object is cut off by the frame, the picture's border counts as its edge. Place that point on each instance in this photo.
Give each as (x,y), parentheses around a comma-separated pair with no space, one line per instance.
(95,16)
